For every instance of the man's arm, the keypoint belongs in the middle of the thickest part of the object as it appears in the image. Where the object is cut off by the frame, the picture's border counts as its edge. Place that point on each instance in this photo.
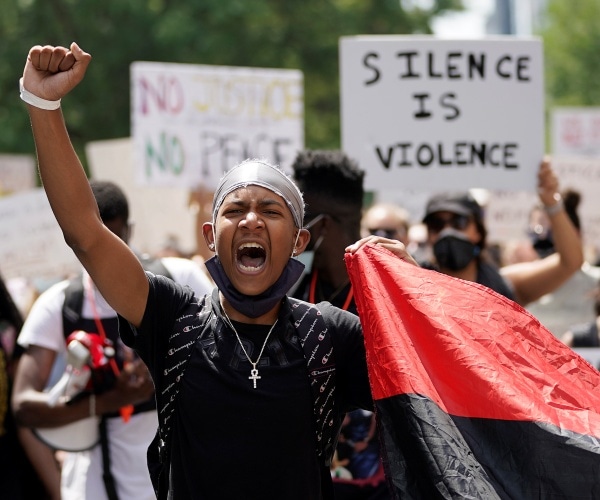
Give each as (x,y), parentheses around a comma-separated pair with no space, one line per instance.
(30,403)
(51,73)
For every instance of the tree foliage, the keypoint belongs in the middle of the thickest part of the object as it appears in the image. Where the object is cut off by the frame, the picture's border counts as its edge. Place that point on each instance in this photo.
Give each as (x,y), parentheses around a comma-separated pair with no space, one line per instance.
(257,33)
(572,44)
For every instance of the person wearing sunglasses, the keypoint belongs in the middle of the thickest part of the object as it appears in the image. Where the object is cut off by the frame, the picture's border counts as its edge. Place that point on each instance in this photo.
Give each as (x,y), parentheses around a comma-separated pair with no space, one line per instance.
(457,234)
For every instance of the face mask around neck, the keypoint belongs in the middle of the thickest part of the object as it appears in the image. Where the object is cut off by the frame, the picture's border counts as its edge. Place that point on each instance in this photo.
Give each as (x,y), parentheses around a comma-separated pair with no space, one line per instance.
(254,306)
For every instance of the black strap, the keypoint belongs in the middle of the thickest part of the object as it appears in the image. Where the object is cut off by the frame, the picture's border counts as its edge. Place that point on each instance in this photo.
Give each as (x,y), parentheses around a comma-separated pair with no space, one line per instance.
(72,305)
(107,477)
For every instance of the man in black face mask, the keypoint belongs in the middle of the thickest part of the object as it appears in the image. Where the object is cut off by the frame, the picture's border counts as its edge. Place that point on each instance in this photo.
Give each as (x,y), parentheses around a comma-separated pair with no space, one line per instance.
(457,234)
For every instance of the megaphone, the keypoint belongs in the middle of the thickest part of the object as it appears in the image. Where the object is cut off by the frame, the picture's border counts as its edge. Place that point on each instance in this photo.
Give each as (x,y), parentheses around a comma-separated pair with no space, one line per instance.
(88,371)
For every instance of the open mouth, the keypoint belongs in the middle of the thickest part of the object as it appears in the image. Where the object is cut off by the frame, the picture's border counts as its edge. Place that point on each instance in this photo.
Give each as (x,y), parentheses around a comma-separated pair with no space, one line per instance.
(251,256)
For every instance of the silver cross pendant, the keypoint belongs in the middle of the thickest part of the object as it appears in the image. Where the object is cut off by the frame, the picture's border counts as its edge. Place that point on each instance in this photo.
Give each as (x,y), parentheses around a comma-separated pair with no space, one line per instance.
(254,376)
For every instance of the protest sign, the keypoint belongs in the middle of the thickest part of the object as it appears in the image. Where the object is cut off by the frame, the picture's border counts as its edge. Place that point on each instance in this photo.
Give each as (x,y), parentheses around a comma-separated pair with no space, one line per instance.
(576,131)
(507,213)
(191,123)
(32,243)
(427,113)
(157,212)
(17,173)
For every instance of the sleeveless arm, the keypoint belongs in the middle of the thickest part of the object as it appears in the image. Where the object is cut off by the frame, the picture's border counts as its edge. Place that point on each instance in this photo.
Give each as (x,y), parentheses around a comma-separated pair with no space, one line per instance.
(50,73)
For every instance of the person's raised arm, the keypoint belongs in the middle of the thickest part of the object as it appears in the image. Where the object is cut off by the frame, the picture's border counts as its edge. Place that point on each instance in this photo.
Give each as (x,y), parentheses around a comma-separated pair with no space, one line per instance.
(531,280)
(51,73)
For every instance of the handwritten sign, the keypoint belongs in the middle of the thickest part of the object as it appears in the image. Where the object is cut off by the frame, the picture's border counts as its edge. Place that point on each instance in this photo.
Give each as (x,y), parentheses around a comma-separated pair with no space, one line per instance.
(191,123)
(507,213)
(157,212)
(17,173)
(32,242)
(426,113)
(576,131)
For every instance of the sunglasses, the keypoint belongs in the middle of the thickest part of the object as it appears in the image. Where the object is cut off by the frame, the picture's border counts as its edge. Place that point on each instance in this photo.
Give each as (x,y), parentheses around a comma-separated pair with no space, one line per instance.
(437,223)
(390,234)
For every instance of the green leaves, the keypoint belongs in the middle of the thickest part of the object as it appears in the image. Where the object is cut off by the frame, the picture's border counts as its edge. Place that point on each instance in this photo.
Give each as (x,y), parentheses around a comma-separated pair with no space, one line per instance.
(259,33)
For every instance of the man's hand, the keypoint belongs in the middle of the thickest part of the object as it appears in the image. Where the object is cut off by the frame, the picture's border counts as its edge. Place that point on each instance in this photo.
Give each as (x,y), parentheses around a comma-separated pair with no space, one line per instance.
(548,188)
(134,385)
(394,246)
(52,72)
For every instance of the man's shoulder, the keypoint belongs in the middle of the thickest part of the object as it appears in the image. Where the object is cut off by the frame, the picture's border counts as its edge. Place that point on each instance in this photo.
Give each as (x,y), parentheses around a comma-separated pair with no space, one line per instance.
(43,326)
(53,296)
(335,318)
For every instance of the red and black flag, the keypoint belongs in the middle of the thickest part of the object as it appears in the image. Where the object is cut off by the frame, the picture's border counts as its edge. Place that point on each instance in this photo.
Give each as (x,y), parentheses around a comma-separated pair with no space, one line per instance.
(475,398)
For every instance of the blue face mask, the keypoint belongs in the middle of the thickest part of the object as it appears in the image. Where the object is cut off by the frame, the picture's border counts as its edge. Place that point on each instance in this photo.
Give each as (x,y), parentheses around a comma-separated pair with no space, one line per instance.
(306,259)
(254,306)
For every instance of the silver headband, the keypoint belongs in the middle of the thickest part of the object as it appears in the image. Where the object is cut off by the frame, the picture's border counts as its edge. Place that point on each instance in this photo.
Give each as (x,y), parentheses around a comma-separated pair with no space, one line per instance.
(260,173)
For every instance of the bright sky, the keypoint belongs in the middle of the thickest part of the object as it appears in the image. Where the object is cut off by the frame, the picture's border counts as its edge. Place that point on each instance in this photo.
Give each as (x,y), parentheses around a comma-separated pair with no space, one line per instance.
(466,24)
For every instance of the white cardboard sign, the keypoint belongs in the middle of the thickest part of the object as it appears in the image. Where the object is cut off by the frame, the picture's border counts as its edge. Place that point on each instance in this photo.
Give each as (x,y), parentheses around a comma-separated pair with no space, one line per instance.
(576,131)
(17,173)
(428,113)
(191,123)
(32,242)
(507,213)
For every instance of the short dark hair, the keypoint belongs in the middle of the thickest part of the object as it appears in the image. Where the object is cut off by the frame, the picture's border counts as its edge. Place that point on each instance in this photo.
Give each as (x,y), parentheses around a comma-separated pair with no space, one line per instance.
(571,199)
(596,295)
(111,200)
(330,174)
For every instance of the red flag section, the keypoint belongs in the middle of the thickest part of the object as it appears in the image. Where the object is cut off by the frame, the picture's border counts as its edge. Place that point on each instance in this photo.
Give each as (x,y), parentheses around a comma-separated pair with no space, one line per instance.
(475,398)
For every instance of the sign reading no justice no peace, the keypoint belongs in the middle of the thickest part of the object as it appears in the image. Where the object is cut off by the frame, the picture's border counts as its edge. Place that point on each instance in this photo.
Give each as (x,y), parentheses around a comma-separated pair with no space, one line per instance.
(428,113)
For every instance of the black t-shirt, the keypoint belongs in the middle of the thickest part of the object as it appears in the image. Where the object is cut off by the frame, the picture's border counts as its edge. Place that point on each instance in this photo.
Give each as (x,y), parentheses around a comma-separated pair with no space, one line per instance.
(324,291)
(585,335)
(231,441)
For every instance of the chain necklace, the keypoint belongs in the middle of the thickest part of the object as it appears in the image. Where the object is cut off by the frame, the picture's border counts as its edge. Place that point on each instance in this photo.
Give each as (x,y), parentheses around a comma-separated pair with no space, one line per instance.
(254,376)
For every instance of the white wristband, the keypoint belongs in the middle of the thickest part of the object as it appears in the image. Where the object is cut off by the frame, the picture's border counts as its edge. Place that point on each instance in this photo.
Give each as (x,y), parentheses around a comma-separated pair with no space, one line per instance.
(557,207)
(36,101)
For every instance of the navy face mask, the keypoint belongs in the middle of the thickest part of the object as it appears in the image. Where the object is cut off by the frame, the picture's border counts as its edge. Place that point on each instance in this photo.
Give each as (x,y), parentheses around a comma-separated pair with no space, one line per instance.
(254,306)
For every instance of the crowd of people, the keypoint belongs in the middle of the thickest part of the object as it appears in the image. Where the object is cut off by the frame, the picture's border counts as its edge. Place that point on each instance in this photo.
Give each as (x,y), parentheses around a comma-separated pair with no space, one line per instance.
(275,244)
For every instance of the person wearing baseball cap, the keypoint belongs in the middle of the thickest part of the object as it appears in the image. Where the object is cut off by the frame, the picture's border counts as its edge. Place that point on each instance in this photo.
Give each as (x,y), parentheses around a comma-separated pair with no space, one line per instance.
(457,233)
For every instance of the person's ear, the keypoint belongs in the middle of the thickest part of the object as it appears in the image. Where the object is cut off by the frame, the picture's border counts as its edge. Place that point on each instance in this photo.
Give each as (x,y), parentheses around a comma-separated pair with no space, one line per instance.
(301,242)
(209,235)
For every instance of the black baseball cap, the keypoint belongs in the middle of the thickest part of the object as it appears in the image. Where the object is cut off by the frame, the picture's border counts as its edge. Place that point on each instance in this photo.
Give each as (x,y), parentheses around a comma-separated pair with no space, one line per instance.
(461,203)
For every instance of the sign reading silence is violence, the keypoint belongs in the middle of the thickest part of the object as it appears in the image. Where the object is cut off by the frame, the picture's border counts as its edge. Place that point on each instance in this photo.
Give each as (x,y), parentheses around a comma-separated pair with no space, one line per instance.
(427,113)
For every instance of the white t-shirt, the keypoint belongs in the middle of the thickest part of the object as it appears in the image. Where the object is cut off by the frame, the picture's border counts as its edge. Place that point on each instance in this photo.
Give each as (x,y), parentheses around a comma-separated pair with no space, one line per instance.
(82,471)
(569,305)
